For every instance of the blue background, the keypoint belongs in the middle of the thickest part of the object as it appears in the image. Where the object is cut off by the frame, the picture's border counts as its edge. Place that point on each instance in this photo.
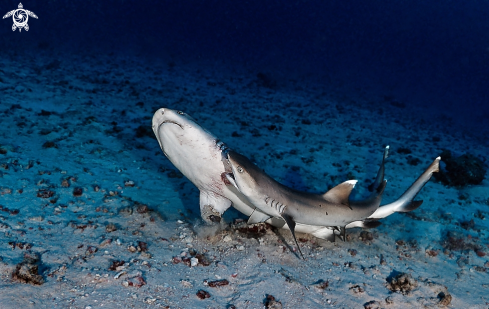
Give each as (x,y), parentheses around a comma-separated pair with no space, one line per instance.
(426,53)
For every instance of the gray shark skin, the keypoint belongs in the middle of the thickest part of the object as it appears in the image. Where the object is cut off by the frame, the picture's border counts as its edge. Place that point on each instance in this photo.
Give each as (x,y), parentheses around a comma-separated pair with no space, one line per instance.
(405,203)
(330,209)
(333,208)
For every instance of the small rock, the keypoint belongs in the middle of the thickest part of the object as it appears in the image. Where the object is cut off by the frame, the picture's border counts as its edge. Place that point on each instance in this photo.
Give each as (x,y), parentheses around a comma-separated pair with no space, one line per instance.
(445,298)
(203,294)
(91,250)
(142,209)
(129,183)
(357,289)
(117,276)
(373,304)
(117,265)
(110,228)
(126,211)
(402,283)
(352,252)
(65,183)
(150,300)
(45,193)
(217,283)
(77,192)
(321,284)
(36,218)
(271,303)
(27,270)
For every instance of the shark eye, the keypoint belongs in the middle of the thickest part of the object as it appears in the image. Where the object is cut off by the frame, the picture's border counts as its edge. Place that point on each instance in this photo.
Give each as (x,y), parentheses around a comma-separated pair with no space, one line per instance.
(180,113)
(239,169)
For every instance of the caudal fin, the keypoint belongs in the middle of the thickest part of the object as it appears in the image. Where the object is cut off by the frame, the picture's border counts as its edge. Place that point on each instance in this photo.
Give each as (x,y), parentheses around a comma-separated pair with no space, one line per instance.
(380,173)
(406,202)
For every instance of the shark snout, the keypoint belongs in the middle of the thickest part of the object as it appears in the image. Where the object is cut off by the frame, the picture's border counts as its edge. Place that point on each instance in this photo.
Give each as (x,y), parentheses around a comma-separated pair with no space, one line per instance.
(158,119)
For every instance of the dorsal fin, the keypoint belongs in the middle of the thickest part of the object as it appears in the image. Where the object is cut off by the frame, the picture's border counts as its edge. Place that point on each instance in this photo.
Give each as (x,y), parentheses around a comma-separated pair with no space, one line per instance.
(340,193)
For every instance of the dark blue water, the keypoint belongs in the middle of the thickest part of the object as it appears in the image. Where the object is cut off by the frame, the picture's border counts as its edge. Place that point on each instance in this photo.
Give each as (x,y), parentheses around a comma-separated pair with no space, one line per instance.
(427,53)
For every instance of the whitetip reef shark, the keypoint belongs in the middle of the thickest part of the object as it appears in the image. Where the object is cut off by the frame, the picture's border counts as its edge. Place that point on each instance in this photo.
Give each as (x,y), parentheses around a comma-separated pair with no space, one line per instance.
(205,161)
(332,209)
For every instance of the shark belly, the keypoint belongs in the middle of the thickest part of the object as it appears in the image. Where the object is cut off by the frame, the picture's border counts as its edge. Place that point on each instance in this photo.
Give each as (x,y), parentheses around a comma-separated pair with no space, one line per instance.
(197,154)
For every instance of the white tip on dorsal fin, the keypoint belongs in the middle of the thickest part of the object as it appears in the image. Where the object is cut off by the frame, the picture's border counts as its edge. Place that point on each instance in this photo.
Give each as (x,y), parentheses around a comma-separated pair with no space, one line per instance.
(340,193)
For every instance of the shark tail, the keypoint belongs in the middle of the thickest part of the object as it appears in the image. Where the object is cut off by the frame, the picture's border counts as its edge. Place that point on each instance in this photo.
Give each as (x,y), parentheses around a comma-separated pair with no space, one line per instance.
(406,202)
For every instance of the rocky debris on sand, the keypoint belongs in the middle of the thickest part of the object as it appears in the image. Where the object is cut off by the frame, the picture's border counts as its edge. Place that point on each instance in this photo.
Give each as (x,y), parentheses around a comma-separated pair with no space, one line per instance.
(135,279)
(458,241)
(402,283)
(373,304)
(27,270)
(445,298)
(357,289)
(271,303)
(216,283)
(203,294)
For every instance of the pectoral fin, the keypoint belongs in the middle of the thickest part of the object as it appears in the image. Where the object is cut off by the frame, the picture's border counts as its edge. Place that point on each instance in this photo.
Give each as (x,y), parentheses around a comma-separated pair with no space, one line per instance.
(291,223)
(258,217)
(212,206)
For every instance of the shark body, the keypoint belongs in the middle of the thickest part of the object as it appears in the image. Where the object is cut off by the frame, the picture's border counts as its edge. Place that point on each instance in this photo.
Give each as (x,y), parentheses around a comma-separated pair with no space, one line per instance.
(204,160)
(405,203)
(332,209)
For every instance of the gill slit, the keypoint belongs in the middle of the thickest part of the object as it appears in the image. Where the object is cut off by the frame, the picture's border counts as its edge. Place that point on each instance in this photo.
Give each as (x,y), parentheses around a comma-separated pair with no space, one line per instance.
(277,205)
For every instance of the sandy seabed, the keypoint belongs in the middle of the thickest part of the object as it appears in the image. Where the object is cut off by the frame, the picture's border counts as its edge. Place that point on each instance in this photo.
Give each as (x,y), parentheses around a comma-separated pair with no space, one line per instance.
(92,215)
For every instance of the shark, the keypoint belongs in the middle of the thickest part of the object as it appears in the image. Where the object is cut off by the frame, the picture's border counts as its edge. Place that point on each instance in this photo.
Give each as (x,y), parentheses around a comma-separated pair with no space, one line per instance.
(204,160)
(200,156)
(268,195)
(333,208)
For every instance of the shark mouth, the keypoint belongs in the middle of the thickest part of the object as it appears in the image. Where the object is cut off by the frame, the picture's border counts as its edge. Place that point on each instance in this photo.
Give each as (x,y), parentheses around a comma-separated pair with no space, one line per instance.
(170,121)
(231,175)
(164,122)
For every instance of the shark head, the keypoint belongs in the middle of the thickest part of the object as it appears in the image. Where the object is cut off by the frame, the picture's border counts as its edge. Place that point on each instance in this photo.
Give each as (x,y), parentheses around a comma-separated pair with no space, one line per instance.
(170,121)
(176,128)
(242,176)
